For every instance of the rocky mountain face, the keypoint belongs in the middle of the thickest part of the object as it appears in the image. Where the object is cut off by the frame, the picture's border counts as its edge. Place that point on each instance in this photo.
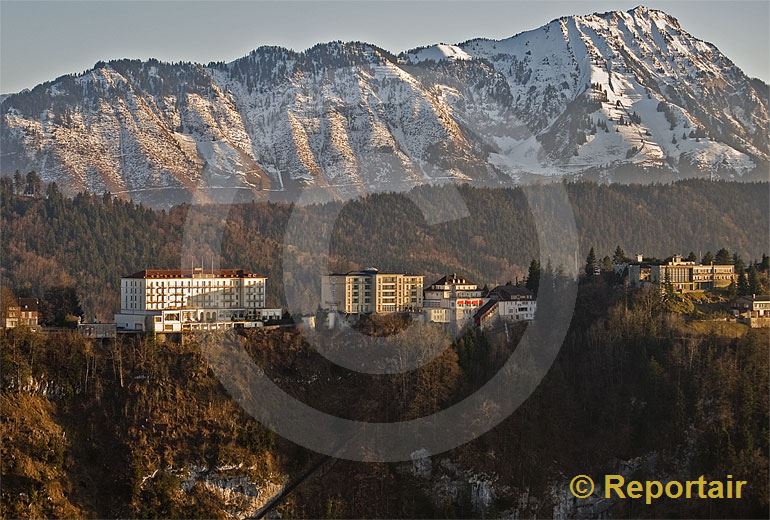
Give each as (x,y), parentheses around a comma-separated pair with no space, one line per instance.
(598,95)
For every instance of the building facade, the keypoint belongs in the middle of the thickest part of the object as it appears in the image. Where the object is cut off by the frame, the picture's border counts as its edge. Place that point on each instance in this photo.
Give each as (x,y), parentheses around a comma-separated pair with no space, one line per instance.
(175,300)
(508,302)
(754,310)
(638,273)
(514,303)
(371,292)
(684,276)
(452,299)
(26,313)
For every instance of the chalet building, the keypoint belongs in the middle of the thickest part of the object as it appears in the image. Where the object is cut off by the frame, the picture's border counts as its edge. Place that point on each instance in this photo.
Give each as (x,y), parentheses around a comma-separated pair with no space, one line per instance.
(508,302)
(176,300)
(452,299)
(754,310)
(26,313)
(371,292)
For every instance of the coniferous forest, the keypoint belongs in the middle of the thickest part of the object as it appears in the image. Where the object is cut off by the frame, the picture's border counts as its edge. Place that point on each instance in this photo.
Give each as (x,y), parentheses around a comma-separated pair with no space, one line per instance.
(57,245)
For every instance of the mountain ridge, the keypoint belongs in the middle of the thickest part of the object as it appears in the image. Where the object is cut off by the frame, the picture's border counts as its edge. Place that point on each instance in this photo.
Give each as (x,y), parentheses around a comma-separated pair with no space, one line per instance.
(582,96)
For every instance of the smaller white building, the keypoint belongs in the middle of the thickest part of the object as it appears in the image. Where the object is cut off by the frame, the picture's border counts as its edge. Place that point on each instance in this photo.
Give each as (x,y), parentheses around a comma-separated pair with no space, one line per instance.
(508,302)
(754,310)
(514,303)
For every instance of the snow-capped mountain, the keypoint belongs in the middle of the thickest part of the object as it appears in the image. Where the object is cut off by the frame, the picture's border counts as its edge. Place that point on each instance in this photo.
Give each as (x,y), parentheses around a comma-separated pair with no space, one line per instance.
(602,95)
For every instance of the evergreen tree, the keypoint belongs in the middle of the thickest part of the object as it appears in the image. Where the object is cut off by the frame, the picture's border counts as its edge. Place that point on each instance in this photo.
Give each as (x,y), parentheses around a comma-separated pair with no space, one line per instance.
(691,257)
(607,264)
(754,285)
(52,191)
(722,257)
(533,276)
(60,306)
(620,256)
(764,265)
(743,284)
(740,267)
(591,264)
(707,258)
(18,183)
(33,183)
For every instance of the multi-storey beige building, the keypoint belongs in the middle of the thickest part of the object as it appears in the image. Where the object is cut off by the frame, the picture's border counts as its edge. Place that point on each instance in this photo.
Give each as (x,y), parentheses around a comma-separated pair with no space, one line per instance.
(173,300)
(370,291)
(684,276)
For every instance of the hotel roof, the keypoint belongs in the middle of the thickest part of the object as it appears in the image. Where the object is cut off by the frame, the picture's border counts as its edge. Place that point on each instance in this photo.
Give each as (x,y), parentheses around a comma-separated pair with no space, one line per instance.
(193,273)
(511,292)
(370,271)
(452,279)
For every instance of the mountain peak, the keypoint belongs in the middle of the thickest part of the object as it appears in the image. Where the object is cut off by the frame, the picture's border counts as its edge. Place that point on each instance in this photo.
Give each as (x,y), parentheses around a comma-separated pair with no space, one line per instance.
(642,11)
(581,95)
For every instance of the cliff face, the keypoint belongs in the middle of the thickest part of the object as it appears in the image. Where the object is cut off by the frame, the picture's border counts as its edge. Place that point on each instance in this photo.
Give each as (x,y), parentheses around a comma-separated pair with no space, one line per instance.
(126,430)
(580,94)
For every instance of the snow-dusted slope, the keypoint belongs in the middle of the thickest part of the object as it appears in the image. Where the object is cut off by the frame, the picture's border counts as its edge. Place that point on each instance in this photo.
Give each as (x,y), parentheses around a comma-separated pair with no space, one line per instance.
(582,94)
(628,87)
(438,52)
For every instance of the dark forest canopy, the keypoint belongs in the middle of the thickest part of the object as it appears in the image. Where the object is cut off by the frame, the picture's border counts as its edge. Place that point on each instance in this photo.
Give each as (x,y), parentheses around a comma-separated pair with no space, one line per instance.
(89,241)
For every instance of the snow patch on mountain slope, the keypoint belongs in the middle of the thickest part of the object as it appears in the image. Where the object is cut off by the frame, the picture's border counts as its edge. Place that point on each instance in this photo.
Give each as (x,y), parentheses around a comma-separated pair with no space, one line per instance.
(438,52)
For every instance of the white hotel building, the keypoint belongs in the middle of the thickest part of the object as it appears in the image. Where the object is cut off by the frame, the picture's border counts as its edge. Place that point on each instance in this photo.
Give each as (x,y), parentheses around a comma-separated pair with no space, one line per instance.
(176,300)
(452,299)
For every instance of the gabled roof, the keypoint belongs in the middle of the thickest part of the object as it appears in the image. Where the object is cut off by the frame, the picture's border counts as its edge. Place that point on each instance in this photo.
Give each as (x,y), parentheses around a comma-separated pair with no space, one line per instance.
(29,304)
(452,279)
(510,292)
(484,310)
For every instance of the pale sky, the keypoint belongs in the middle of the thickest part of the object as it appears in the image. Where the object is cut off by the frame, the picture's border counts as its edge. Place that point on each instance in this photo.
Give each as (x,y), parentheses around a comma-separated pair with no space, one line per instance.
(40,40)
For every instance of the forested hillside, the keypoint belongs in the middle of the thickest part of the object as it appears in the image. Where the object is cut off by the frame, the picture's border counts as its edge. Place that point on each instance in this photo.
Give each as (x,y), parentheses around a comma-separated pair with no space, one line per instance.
(144,429)
(88,242)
